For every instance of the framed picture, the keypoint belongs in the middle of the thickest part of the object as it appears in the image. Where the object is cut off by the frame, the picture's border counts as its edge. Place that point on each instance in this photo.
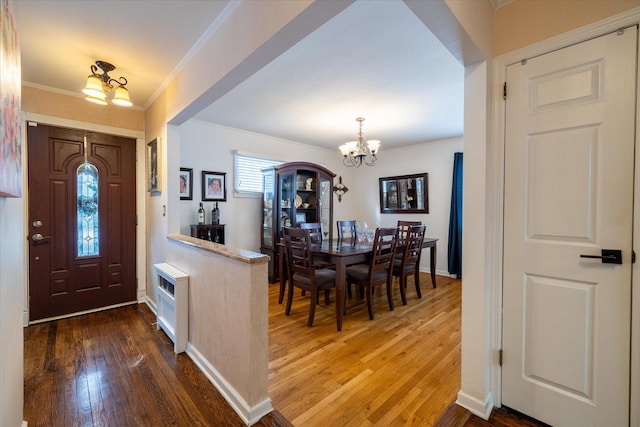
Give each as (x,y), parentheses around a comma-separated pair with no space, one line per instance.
(301,217)
(404,194)
(153,166)
(214,186)
(186,184)
(10,92)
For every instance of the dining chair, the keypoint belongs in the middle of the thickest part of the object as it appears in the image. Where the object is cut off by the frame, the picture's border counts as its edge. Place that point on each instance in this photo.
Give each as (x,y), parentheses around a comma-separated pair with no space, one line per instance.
(302,272)
(403,228)
(315,231)
(409,263)
(379,270)
(347,230)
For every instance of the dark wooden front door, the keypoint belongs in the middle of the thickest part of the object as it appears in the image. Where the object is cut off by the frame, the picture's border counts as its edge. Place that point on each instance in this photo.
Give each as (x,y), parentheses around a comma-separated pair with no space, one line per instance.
(82,252)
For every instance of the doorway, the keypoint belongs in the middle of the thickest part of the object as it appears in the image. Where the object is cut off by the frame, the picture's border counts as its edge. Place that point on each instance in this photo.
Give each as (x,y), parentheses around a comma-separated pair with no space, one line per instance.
(82,221)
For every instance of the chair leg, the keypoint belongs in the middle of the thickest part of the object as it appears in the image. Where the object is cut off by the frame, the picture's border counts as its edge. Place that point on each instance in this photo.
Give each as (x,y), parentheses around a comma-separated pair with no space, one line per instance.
(312,307)
(287,309)
(403,284)
(369,292)
(326,297)
(390,294)
(283,284)
(417,280)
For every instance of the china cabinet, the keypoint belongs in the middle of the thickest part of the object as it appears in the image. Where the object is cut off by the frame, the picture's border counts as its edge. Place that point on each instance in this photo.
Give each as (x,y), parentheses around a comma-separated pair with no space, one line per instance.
(294,193)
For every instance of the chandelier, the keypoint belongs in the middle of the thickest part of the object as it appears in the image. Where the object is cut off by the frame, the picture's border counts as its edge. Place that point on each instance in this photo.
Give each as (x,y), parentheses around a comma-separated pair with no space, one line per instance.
(356,153)
(99,85)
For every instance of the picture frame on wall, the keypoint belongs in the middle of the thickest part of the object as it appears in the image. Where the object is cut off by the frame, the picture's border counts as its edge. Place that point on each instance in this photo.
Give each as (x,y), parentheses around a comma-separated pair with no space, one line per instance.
(186,184)
(153,166)
(214,186)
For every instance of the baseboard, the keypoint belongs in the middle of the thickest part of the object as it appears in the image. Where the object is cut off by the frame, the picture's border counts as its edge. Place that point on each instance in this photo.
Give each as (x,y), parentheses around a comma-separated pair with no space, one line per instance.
(25,319)
(250,415)
(476,406)
(24,424)
(151,304)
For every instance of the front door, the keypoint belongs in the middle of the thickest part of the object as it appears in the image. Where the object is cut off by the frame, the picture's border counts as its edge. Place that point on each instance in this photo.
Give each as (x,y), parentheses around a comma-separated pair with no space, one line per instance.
(81,221)
(569,162)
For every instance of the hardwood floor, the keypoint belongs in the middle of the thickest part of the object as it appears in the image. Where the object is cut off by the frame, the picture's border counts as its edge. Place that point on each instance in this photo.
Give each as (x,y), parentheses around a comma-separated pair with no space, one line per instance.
(403,368)
(115,369)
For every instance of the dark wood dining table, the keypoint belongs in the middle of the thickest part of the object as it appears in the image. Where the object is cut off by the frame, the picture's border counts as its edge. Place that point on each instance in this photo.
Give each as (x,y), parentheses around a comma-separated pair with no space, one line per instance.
(343,254)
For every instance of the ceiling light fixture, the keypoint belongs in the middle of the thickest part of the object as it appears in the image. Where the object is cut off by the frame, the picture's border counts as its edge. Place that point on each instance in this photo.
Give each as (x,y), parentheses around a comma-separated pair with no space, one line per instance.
(356,153)
(99,85)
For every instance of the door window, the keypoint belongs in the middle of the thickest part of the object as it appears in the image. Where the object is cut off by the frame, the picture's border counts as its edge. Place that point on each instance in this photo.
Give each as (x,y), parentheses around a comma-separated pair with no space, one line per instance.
(87,218)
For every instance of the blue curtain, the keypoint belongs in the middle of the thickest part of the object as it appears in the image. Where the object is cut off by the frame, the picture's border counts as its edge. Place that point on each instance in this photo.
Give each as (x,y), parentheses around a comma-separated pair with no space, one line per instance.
(455,219)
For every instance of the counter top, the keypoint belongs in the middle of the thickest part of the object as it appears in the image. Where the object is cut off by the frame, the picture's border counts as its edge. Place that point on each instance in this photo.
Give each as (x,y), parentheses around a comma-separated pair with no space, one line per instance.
(242,255)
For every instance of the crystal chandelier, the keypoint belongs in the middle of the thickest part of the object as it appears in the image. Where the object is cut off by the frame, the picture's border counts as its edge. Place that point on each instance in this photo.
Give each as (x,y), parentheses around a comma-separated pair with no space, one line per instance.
(99,85)
(356,153)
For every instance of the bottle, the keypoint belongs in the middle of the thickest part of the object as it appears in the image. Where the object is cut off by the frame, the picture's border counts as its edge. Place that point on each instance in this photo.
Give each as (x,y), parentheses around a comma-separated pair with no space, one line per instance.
(201,215)
(215,214)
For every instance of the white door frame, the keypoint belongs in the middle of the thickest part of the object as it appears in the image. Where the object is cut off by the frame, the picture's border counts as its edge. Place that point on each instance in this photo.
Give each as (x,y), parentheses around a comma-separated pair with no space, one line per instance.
(631,17)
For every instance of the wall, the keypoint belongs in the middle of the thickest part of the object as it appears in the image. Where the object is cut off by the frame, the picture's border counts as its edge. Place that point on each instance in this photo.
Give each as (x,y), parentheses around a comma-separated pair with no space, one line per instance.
(435,158)
(209,147)
(49,103)
(12,278)
(524,22)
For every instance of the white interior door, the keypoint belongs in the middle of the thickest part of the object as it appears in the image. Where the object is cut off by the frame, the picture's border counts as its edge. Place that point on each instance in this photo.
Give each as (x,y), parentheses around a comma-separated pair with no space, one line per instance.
(569,159)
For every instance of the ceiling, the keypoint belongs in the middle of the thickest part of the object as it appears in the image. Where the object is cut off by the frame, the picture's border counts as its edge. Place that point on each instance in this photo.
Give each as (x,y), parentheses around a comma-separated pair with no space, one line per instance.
(375,59)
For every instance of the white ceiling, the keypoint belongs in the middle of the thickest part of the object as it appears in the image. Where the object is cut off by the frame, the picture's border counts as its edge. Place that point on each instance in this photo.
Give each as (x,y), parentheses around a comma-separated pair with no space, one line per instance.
(375,59)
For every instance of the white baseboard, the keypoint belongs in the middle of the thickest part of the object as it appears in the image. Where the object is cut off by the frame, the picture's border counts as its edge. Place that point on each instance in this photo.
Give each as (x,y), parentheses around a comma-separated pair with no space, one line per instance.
(250,415)
(476,406)
(151,304)
(25,319)
(24,424)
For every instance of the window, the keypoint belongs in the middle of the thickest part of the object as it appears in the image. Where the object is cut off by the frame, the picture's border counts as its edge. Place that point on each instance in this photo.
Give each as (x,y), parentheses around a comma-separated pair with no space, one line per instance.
(87,218)
(248,173)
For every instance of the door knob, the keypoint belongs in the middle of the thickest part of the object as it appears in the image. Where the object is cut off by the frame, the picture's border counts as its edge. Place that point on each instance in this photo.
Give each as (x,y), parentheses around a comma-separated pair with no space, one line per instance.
(609,256)
(39,237)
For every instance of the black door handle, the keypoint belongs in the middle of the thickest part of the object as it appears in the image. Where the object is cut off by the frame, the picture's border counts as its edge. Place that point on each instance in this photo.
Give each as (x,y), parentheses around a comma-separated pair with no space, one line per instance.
(609,256)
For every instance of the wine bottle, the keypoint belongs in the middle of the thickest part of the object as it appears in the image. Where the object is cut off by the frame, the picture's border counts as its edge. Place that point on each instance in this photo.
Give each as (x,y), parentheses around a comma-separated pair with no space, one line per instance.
(215,214)
(201,215)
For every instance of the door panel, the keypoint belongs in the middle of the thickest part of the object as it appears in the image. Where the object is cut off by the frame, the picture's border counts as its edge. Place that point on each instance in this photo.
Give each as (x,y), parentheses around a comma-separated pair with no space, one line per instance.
(62,281)
(569,154)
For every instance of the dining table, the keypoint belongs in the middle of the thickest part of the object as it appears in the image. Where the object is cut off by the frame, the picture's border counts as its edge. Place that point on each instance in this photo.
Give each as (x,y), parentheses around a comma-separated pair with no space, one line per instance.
(345,253)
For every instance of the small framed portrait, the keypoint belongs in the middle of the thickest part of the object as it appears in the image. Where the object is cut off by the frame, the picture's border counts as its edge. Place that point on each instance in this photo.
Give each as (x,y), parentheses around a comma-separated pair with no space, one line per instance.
(186,184)
(153,166)
(214,186)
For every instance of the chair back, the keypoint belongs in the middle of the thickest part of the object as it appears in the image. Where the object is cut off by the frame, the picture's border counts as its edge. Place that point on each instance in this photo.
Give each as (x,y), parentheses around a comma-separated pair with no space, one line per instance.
(384,246)
(347,230)
(297,243)
(315,231)
(412,248)
(403,229)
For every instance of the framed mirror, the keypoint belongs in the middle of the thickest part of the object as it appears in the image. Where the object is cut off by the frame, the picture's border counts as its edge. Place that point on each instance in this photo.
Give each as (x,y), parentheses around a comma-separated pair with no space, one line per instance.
(404,194)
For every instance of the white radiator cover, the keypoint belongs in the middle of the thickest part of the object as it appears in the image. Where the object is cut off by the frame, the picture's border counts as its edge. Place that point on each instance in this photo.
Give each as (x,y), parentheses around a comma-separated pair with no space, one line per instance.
(172,296)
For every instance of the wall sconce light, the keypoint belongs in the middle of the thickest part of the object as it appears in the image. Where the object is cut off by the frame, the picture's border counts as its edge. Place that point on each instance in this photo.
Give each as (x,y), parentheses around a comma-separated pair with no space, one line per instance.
(99,85)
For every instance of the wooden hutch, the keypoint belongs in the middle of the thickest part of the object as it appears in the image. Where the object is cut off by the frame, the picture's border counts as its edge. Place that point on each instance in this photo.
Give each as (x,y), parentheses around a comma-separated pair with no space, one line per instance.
(294,193)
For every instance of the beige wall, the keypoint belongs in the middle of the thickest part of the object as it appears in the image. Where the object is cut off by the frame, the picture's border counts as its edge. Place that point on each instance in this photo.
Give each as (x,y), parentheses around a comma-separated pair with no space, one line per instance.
(524,22)
(54,104)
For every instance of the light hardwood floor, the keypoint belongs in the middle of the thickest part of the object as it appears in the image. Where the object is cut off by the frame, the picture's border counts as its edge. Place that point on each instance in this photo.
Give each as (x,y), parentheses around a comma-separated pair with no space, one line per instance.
(403,368)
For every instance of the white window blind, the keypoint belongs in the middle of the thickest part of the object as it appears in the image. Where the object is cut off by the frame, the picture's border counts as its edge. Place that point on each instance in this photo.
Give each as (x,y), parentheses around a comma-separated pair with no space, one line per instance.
(248,172)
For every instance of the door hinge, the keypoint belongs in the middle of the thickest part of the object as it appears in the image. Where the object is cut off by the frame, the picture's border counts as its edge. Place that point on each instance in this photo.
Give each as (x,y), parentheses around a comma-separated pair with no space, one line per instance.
(500,357)
(633,257)
(504,91)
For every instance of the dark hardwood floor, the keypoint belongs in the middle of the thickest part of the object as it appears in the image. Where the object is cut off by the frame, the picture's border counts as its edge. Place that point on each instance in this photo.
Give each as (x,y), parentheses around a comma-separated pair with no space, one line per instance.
(114,368)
